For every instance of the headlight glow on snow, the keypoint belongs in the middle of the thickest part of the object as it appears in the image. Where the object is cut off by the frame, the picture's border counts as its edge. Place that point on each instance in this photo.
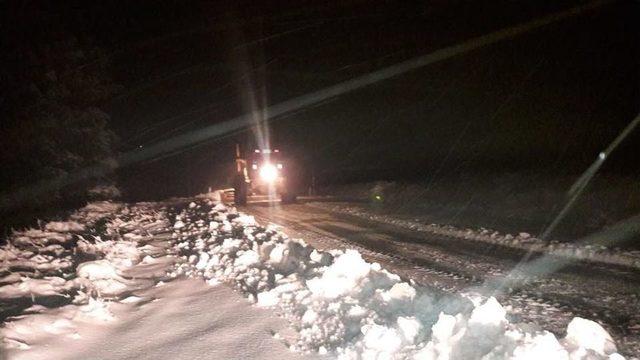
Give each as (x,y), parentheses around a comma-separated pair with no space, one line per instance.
(268,172)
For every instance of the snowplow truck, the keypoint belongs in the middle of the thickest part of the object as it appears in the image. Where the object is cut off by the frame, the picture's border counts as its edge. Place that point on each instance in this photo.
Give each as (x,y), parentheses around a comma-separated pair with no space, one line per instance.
(263,172)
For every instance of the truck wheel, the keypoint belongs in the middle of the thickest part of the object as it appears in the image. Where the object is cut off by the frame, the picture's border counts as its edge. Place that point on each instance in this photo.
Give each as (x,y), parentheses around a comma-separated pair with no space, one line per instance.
(240,191)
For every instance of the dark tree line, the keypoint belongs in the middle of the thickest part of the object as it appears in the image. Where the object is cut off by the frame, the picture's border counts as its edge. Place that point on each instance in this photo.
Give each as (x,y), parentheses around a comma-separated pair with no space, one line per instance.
(53,85)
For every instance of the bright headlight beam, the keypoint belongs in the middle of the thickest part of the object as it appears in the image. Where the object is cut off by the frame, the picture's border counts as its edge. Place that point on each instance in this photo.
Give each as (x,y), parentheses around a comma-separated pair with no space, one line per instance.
(268,173)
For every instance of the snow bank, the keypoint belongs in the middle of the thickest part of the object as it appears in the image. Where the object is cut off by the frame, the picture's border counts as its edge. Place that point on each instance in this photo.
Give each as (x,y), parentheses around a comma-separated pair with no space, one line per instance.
(336,302)
(340,304)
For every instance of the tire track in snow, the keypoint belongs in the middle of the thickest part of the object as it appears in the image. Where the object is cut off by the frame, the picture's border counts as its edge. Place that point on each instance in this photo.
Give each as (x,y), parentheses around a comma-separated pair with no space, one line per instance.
(457,267)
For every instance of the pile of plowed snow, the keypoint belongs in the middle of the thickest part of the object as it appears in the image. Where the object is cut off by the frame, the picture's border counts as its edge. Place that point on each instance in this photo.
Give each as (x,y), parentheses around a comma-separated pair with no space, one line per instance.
(341,305)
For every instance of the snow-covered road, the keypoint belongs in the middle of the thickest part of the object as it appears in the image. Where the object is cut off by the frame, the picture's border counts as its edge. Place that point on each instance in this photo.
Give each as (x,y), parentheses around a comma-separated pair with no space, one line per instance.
(154,280)
(607,293)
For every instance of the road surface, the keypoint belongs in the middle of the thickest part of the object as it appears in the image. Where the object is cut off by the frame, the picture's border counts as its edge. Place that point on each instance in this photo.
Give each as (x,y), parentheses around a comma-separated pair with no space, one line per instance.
(451,266)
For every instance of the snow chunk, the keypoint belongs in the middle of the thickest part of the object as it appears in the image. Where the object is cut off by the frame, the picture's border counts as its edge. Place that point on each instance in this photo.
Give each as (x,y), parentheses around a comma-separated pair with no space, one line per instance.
(121,254)
(286,257)
(380,341)
(309,317)
(491,313)
(132,300)
(47,286)
(267,299)
(409,328)
(99,269)
(245,220)
(322,258)
(203,261)
(247,259)
(589,335)
(64,226)
(400,295)
(541,347)
(342,277)
(104,277)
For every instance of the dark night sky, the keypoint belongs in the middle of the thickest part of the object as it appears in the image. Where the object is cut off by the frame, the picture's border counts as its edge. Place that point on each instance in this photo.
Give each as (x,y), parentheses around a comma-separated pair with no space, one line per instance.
(549,100)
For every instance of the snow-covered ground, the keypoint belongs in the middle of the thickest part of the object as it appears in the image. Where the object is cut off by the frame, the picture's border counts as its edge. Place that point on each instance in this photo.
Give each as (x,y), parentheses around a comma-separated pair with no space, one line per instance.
(510,203)
(149,281)
(61,281)
(104,294)
(182,319)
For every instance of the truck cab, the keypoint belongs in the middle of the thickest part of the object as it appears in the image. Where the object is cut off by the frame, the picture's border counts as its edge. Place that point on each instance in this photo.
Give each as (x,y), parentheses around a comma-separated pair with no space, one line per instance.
(264,172)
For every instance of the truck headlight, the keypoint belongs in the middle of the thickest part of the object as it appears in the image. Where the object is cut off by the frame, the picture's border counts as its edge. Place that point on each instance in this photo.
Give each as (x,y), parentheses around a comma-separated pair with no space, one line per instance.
(268,173)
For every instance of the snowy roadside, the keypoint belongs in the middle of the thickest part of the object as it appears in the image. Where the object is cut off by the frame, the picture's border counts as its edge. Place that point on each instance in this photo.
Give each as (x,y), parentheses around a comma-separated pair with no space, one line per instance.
(521,240)
(96,287)
(107,279)
(62,280)
(340,305)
